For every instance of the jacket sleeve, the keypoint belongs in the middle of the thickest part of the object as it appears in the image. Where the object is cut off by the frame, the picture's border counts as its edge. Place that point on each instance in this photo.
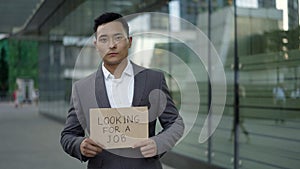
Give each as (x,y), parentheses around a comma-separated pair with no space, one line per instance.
(73,134)
(171,122)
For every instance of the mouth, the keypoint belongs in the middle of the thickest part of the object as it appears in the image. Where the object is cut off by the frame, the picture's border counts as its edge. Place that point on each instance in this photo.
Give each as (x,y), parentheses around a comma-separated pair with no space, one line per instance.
(112,54)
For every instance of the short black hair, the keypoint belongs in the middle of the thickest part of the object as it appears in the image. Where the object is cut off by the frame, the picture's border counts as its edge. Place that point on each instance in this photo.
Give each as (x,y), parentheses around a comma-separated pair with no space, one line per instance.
(109,17)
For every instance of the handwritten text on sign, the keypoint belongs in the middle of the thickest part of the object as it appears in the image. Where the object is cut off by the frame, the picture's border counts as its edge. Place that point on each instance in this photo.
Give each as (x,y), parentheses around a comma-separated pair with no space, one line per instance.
(118,127)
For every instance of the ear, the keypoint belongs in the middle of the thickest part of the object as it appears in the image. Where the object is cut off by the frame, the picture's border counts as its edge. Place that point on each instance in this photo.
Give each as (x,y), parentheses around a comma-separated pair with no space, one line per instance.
(129,41)
(95,44)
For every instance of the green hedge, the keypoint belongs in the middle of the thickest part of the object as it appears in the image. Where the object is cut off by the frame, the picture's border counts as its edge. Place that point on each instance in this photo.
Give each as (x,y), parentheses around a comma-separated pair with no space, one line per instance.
(22,59)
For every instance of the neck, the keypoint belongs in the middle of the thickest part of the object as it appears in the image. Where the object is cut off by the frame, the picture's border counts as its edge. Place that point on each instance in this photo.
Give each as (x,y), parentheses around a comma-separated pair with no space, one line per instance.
(117,69)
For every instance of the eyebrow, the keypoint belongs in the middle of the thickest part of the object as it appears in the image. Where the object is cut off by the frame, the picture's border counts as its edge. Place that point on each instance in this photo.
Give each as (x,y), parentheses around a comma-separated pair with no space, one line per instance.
(105,35)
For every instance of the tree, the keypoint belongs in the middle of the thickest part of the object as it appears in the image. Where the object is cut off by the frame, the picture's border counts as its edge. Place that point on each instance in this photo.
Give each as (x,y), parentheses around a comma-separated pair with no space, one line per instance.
(3,73)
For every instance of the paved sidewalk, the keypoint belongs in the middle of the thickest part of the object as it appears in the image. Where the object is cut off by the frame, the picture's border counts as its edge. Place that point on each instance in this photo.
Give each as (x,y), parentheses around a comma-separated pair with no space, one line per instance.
(31,141)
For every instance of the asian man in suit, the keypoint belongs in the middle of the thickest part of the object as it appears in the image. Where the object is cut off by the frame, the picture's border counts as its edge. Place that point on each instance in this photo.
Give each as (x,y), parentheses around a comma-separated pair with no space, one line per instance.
(119,82)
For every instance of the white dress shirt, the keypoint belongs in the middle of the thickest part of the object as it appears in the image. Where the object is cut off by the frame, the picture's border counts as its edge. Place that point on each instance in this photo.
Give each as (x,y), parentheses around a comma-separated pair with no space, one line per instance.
(119,91)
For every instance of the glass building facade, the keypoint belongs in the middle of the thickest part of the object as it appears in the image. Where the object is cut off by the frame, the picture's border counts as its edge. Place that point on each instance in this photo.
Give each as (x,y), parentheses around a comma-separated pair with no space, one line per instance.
(260,124)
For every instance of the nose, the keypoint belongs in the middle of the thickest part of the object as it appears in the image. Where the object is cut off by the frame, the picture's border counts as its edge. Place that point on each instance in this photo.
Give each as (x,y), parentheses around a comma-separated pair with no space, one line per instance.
(112,44)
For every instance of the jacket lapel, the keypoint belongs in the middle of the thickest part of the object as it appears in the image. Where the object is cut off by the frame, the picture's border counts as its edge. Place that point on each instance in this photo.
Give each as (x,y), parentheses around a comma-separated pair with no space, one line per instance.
(100,90)
(139,84)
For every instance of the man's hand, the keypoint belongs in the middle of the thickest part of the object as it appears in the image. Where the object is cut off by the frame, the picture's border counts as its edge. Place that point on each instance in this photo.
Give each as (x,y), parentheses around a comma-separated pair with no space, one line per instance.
(148,147)
(89,148)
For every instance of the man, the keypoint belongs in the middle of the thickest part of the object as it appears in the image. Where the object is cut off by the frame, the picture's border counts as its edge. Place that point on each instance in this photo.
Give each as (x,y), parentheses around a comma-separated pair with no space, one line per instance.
(120,83)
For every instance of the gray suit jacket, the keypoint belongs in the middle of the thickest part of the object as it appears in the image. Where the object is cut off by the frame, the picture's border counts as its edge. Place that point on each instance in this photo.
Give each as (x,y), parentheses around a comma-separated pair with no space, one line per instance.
(150,90)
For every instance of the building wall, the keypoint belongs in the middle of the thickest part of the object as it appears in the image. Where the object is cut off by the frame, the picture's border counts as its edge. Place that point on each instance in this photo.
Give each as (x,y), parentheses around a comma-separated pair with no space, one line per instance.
(267,136)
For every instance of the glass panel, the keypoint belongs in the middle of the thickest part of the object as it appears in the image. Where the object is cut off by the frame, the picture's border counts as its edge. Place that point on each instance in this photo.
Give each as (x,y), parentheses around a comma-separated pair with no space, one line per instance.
(222,31)
(269,73)
(269,85)
(161,46)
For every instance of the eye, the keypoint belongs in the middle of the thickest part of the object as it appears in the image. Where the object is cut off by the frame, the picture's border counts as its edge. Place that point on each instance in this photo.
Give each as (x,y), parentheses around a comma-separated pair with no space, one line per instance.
(103,40)
(118,38)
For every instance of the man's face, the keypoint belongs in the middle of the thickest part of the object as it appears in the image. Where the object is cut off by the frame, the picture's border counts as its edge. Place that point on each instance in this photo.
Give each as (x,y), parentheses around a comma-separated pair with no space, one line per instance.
(112,43)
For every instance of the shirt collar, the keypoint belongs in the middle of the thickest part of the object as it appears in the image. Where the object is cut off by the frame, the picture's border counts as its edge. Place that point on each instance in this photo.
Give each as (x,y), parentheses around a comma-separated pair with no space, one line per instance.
(106,73)
(128,71)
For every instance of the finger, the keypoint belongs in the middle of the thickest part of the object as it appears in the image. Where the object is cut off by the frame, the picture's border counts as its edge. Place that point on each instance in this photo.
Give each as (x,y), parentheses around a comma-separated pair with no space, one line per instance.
(149,153)
(89,153)
(91,142)
(87,147)
(96,144)
(150,149)
(144,143)
(147,147)
(91,147)
(140,144)
(149,144)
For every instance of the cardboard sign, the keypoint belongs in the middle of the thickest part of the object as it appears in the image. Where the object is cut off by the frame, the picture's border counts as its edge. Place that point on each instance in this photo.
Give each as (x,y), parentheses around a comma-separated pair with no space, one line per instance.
(118,127)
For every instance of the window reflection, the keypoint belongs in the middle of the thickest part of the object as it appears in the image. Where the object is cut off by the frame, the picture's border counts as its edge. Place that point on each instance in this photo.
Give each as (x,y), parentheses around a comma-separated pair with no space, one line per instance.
(269,73)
